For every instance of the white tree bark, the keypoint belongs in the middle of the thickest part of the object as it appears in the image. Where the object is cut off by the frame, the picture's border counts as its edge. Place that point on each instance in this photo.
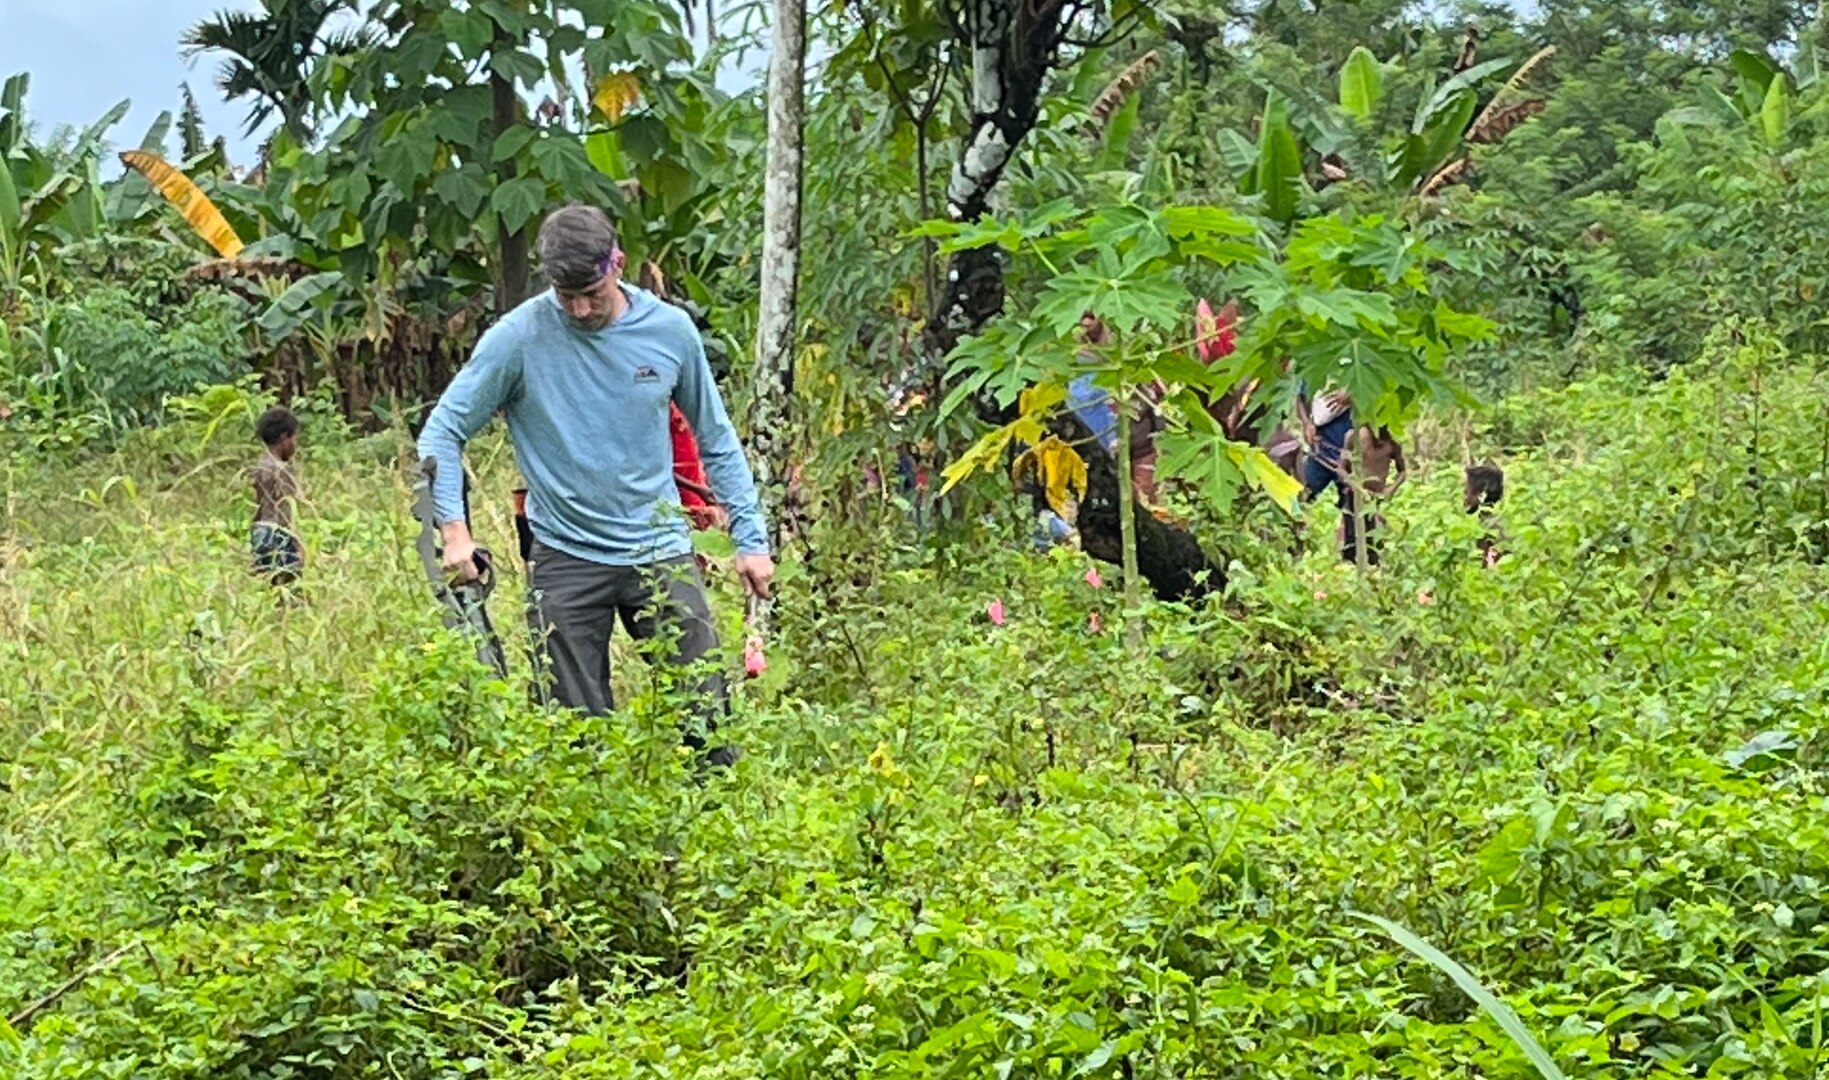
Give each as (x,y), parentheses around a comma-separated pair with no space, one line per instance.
(777,327)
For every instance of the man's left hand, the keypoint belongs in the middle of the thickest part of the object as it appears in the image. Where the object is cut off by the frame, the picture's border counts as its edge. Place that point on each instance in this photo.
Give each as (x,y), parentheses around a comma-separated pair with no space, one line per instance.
(757,572)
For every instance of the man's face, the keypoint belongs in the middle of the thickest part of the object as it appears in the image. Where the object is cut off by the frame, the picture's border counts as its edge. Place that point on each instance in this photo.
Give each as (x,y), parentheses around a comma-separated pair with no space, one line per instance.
(286,446)
(595,307)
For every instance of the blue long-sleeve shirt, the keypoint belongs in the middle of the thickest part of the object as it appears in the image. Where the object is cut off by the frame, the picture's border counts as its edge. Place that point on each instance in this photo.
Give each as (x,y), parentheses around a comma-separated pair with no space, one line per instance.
(587,412)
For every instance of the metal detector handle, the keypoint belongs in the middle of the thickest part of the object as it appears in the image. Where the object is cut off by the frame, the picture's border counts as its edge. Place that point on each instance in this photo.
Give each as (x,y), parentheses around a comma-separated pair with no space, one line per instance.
(485,571)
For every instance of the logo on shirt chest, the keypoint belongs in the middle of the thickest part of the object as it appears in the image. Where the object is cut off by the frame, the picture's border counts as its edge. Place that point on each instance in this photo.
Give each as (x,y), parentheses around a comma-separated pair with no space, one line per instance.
(647,374)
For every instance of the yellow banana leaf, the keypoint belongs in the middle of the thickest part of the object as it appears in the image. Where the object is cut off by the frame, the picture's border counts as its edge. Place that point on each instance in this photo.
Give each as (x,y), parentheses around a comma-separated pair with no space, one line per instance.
(189,201)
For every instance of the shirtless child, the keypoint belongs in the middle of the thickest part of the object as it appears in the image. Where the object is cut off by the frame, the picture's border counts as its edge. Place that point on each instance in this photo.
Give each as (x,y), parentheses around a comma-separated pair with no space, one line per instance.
(1374,453)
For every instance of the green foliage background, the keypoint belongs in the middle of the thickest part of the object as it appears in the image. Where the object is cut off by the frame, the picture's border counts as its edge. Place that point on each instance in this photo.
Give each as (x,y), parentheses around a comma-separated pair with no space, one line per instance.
(243,838)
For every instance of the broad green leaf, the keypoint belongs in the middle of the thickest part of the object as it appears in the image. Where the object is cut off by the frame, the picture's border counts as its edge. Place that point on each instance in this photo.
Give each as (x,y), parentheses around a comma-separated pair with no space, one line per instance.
(1116,149)
(1240,157)
(511,142)
(466,188)
(518,65)
(605,152)
(1098,1059)
(469,29)
(1124,303)
(1203,221)
(1347,308)
(1500,1012)
(43,205)
(461,116)
(1807,66)
(1768,748)
(1204,460)
(89,143)
(1775,113)
(561,158)
(1465,82)
(290,311)
(1361,85)
(1279,172)
(1459,324)
(10,208)
(1757,72)
(518,201)
(1722,107)
(406,159)
(1442,141)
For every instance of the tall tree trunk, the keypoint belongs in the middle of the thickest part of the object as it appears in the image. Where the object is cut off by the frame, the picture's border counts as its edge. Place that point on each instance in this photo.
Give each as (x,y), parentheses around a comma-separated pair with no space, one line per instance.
(770,429)
(513,276)
(1013,45)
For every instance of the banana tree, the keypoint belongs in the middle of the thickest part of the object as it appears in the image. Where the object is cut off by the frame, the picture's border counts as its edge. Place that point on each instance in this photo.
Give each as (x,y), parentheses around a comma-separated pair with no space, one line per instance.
(1306,140)
(1343,302)
(1770,104)
(47,198)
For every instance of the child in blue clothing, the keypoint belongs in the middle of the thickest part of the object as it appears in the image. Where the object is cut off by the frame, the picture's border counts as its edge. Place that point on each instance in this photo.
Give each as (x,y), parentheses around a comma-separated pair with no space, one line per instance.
(1327,423)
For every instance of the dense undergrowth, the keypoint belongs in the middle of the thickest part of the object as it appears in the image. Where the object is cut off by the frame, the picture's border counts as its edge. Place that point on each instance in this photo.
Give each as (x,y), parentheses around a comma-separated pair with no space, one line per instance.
(312,840)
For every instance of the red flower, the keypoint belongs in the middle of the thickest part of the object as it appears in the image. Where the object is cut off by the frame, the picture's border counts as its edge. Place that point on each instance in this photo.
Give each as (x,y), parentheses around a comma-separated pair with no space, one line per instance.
(1216,335)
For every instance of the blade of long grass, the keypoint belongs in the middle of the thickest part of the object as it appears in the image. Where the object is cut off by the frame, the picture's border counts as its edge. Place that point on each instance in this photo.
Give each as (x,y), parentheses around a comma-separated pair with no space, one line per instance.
(1501,1013)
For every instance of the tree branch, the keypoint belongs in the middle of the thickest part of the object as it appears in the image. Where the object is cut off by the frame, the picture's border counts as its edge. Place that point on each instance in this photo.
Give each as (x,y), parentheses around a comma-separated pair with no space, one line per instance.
(21,1021)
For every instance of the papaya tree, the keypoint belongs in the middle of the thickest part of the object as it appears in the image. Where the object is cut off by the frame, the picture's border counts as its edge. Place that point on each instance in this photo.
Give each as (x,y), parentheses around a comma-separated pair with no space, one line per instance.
(1344,302)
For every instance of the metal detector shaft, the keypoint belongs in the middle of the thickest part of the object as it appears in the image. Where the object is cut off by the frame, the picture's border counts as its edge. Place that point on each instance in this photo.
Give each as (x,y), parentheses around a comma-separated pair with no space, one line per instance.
(466,605)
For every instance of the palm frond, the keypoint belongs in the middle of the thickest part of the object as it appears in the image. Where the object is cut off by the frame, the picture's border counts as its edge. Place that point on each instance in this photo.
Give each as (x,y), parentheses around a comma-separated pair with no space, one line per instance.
(350,40)
(240,32)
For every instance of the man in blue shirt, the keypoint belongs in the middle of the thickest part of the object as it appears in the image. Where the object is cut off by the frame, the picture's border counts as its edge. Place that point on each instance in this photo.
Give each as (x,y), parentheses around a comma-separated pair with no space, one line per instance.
(584,375)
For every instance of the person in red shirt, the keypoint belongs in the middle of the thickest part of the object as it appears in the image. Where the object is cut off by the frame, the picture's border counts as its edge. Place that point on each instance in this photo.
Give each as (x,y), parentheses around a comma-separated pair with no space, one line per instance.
(689,474)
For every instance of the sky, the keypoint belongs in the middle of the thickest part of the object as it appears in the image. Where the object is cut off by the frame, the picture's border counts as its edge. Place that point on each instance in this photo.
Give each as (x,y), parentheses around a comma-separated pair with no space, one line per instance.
(87,55)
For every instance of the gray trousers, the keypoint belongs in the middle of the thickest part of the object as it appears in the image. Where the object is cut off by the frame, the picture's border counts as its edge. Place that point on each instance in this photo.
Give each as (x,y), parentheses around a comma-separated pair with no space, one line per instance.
(576,606)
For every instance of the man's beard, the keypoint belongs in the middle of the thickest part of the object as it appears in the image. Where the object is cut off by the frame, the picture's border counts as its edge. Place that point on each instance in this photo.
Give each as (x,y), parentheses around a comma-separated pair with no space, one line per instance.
(592,323)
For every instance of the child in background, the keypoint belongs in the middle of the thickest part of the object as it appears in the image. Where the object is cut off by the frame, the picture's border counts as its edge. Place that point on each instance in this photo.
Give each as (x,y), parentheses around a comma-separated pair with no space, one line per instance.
(278,555)
(1373,452)
(1485,486)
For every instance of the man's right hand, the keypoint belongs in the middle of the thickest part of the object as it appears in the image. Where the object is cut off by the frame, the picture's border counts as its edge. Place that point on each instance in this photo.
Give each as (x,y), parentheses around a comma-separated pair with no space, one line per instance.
(460,553)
